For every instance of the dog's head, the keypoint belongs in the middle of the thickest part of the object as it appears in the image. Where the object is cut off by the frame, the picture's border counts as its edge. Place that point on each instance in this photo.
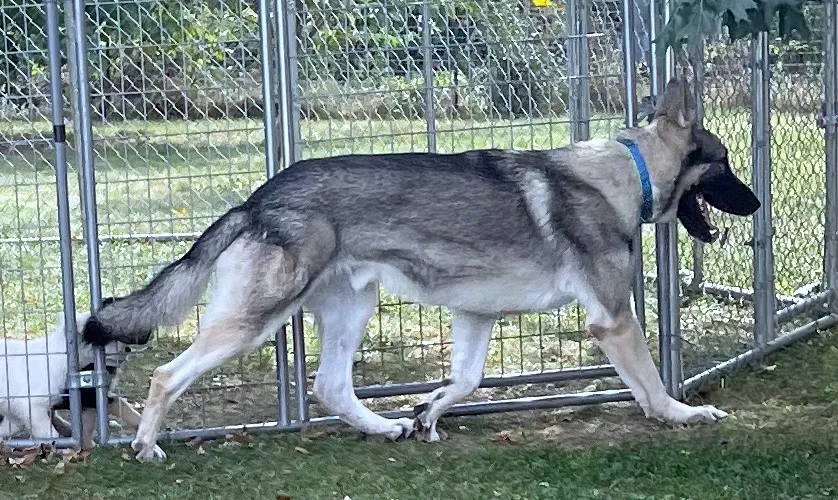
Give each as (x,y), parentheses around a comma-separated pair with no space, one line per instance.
(705,176)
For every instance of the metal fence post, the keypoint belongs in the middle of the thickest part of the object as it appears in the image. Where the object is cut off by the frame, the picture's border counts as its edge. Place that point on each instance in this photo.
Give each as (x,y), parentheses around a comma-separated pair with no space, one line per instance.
(286,38)
(764,306)
(428,75)
(59,136)
(697,63)
(77,41)
(666,236)
(269,88)
(579,70)
(630,86)
(830,75)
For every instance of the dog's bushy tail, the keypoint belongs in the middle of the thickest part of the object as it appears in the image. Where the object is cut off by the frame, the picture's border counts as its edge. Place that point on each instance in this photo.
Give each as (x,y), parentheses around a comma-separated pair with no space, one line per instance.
(171,294)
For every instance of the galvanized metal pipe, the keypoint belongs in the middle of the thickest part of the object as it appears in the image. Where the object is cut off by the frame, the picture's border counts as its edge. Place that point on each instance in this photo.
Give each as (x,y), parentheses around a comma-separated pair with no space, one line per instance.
(283,383)
(697,60)
(813,303)
(630,84)
(269,88)
(462,409)
(758,352)
(59,136)
(286,62)
(764,307)
(579,70)
(551,376)
(428,75)
(830,75)
(666,236)
(77,40)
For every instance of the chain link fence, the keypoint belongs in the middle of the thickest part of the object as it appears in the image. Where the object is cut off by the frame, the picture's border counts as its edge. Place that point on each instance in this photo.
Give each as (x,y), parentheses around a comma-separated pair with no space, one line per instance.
(186,104)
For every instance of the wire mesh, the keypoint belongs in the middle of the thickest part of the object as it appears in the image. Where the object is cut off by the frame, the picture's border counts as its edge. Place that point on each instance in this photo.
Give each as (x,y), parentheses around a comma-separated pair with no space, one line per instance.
(30,276)
(178,137)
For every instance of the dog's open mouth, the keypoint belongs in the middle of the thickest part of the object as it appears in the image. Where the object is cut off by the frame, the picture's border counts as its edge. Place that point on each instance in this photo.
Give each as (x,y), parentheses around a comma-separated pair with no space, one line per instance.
(694,214)
(705,214)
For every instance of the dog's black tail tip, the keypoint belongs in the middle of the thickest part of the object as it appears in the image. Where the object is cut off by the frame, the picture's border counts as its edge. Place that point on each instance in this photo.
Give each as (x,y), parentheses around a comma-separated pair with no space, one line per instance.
(95,333)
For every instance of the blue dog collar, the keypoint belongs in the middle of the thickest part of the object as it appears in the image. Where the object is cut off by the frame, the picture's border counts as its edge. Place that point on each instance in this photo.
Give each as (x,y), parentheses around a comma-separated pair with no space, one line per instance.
(645,183)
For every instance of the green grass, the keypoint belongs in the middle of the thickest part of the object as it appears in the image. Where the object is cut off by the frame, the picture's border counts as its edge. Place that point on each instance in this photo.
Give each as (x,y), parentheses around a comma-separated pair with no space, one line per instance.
(779,443)
(161,177)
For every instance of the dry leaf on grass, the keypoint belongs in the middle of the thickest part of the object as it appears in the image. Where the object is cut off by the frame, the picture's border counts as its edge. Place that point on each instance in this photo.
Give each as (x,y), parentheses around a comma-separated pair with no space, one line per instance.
(283,497)
(238,436)
(505,437)
(302,450)
(195,442)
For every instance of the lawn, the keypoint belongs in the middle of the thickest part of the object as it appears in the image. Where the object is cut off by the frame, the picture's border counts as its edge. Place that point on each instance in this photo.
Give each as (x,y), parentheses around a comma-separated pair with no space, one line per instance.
(175,177)
(779,443)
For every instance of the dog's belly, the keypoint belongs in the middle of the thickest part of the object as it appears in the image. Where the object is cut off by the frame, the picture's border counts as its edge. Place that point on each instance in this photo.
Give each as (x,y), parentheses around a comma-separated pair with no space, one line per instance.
(525,290)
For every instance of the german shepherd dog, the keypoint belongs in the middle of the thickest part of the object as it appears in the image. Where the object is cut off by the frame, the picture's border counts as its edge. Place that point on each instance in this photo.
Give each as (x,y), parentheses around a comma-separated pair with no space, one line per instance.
(483,233)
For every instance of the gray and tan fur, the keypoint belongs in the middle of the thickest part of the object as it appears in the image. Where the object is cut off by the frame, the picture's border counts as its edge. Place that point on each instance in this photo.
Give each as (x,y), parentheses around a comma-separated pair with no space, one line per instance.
(482,233)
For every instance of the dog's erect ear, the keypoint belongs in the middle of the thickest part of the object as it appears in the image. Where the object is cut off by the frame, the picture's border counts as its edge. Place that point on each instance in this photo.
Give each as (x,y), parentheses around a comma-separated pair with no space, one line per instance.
(646,110)
(678,103)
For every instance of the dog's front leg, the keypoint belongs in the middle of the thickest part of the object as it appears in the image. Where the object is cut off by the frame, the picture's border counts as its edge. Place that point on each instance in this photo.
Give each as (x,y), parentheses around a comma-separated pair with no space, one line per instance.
(622,340)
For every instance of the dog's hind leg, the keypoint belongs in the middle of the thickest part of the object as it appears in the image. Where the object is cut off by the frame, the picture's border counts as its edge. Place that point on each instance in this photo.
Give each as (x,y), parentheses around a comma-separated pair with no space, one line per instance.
(471,334)
(341,314)
(257,287)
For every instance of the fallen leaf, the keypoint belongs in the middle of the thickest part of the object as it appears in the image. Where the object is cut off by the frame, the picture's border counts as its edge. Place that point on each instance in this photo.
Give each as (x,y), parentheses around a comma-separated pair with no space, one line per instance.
(200,450)
(283,497)
(170,466)
(391,459)
(504,437)
(178,481)
(195,442)
(126,457)
(238,436)
(20,479)
(302,450)
(59,467)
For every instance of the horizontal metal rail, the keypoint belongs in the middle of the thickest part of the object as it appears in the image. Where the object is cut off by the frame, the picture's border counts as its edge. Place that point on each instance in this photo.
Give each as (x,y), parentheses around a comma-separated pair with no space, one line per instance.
(753,354)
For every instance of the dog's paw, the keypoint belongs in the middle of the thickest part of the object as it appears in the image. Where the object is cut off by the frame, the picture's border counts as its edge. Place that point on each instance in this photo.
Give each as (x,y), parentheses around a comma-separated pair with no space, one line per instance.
(680,413)
(402,429)
(148,453)
(706,413)
(425,432)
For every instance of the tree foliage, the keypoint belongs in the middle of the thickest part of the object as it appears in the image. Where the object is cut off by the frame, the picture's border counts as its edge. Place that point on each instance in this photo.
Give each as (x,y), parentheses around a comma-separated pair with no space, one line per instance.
(693,20)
